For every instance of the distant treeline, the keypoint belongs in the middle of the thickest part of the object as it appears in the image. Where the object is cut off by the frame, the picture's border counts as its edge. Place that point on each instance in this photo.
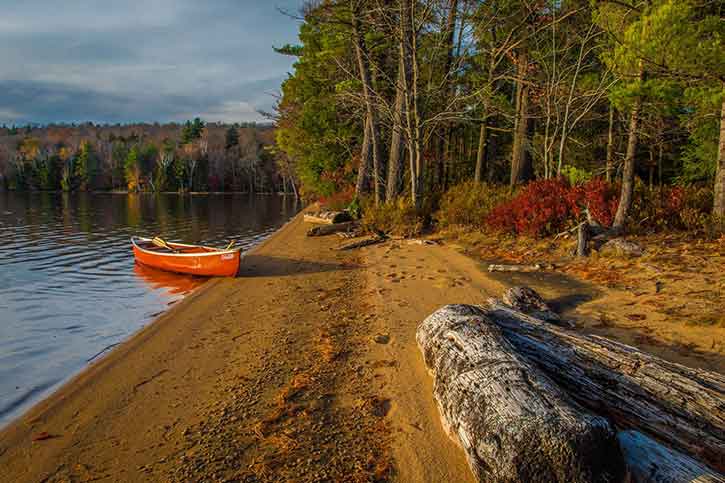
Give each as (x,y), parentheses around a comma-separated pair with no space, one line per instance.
(193,156)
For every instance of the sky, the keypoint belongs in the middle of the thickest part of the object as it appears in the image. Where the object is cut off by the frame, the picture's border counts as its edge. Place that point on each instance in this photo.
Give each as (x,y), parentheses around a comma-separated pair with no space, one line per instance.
(128,61)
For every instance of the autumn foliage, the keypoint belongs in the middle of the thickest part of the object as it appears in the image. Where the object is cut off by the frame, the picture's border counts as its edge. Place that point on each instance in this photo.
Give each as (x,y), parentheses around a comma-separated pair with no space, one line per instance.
(547,206)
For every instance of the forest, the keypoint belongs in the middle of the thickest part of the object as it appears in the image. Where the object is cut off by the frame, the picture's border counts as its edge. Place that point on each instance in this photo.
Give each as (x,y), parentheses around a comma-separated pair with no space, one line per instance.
(519,115)
(193,156)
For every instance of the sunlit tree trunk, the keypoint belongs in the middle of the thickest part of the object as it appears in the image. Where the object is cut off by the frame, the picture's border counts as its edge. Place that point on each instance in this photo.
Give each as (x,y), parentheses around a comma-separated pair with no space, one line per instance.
(445,151)
(520,159)
(719,206)
(408,46)
(610,145)
(396,145)
(362,60)
(362,172)
(625,199)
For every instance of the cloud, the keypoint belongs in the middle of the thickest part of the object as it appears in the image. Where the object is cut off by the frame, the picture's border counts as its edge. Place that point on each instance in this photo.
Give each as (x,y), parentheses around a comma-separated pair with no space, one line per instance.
(230,112)
(141,60)
(47,102)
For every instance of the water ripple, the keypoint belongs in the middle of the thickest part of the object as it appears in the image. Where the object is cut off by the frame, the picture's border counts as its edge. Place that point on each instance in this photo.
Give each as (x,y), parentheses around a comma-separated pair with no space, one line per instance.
(69,288)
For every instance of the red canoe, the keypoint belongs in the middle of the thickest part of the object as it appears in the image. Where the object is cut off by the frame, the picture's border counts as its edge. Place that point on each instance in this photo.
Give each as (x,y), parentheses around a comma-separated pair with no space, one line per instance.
(191,259)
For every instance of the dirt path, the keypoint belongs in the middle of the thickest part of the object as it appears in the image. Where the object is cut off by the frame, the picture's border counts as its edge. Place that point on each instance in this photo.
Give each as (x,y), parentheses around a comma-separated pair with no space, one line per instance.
(274,376)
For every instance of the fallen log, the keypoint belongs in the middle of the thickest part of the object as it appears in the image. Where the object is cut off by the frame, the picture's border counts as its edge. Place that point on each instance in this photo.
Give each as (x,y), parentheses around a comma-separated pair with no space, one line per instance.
(327,217)
(512,421)
(682,406)
(514,268)
(528,301)
(366,241)
(324,230)
(650,462)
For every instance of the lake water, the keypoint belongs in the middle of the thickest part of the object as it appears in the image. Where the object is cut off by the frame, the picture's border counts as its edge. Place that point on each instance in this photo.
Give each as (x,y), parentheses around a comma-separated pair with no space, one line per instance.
(69,287)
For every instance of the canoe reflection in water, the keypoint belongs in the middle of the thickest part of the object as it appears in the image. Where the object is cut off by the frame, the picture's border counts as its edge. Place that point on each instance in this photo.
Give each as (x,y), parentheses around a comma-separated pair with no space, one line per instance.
(172,283)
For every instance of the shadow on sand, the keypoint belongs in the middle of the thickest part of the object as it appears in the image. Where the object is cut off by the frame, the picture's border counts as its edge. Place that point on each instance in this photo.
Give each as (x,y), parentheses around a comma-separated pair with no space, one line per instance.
(565,292)
(265,266)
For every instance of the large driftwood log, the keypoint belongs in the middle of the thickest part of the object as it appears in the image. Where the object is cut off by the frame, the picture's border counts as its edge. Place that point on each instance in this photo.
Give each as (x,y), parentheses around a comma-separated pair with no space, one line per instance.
(650,462)
(324,230)
(682,406)
(327,217)
(513,423)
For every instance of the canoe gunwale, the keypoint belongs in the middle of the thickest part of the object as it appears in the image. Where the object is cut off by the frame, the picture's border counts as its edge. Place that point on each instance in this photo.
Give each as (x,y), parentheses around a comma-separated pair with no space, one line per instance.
(216,251)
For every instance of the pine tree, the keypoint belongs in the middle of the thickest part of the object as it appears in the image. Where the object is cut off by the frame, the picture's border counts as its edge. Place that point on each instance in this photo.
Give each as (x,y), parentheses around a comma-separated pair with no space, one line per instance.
(132,170)
(85,165)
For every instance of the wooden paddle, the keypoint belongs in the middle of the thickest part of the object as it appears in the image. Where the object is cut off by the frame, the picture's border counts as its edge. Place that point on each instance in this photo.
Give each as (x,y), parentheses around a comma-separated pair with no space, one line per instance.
(231,244)
(161,243)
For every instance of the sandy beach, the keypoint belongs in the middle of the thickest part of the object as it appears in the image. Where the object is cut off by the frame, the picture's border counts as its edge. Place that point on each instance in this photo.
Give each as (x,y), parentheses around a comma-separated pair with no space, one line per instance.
(304,368)
(291,372)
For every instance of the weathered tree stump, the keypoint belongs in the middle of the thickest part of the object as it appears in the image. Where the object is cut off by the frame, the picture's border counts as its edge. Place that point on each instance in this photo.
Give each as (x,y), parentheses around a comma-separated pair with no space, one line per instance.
(650,462)
(324,230)
(681,406)
(582,240)
(512,421)
(327,217)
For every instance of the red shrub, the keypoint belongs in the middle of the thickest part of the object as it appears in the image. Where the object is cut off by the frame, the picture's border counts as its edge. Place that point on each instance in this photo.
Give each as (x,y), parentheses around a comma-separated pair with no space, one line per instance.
(547,206)
(602,199)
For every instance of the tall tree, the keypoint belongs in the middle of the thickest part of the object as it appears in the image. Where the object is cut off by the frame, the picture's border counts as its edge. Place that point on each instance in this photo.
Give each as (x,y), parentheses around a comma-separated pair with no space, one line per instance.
(372,125)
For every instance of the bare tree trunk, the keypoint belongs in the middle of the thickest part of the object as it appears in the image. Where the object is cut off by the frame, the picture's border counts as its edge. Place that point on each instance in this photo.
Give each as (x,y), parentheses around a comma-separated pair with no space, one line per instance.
(659,162)
(294,187)
(481,153)
(396,151)
(362,60)
(408,51)
(448,153)
(448,131)
(362,172)
(520,159)
(719,205)
(610,144)
(625,199)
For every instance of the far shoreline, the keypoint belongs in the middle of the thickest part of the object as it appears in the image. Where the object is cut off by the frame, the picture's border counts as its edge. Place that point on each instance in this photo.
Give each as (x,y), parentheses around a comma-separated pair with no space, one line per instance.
(122,192)
(179,305)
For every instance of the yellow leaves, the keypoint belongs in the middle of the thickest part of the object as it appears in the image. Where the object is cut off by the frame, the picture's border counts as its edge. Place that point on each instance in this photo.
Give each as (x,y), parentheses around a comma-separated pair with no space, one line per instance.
(65,153)
(29,148)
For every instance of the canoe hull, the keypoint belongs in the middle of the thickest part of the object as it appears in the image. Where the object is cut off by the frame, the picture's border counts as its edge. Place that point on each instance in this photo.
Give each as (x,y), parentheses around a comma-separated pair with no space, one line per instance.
(210,264)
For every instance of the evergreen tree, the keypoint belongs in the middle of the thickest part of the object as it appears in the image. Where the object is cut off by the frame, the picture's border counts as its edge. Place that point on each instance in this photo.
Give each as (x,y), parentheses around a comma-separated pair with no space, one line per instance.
(132,170)
(85,166)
